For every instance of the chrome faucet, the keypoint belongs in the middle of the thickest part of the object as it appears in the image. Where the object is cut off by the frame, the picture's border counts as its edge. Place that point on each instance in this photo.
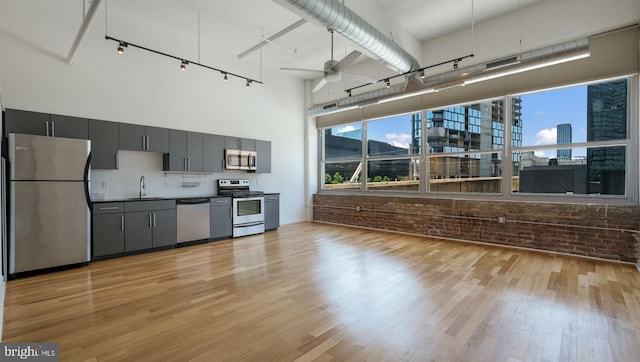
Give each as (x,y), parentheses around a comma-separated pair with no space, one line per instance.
(142,187)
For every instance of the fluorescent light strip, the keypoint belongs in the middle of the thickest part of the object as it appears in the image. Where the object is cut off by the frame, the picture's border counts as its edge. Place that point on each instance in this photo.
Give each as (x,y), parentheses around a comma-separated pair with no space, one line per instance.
(529,66)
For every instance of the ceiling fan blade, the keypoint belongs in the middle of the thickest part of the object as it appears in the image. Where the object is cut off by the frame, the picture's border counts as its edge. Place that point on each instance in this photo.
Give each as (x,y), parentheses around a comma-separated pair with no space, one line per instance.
(303,70)
(360,77)
(346,61)
(320,84)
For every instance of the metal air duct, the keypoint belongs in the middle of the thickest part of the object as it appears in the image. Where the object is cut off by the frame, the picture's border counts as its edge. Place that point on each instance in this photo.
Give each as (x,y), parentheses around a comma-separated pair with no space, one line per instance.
(335,15)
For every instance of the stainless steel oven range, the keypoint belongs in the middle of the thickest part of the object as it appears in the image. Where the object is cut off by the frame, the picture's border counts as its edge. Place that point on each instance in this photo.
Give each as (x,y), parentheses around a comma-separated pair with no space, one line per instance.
(248,206)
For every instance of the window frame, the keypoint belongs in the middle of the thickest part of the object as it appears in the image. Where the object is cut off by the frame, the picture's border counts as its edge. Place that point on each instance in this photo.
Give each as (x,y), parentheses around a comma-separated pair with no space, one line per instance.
(631,143)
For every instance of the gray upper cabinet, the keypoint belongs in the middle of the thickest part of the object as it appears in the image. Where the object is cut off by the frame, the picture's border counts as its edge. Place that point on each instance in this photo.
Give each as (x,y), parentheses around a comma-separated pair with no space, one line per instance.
(263,156)
(104,144)
(236,143)
(185,152)
(69,127)
(17,121)
(212,153)
(194,151)
(135,137)
(44,124)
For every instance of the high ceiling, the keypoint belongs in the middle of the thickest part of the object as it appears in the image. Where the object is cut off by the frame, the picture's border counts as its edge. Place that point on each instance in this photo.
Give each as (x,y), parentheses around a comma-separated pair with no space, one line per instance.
(234,27)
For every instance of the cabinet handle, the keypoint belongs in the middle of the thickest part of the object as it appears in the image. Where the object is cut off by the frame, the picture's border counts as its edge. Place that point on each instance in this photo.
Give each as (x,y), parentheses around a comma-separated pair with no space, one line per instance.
(53,129)
(110,208)
(184,163)
(154,219)
(188,163)
(122,222)
(117,161)
(148,143)
(150,221)
(144,143)
(47,125)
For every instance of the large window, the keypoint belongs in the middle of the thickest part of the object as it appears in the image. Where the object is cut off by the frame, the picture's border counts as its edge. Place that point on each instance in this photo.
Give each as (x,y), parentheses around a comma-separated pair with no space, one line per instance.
(570,141)
(591,120)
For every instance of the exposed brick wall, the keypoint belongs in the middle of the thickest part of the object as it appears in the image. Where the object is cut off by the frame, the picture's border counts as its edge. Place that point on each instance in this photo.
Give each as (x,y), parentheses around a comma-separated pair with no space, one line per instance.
(579,229)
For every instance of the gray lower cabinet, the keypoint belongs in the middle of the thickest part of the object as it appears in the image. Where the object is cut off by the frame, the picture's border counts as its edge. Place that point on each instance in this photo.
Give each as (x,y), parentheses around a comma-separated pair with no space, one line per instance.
(221,218)
(107,229)
(104,144)
(149,224)
(271,211)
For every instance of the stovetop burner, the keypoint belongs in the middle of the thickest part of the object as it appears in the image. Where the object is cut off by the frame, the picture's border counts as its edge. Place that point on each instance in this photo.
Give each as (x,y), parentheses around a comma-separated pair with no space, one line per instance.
(236,189)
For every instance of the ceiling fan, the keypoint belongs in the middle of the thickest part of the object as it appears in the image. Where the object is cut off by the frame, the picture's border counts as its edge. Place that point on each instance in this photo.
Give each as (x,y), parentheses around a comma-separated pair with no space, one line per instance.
(333,69)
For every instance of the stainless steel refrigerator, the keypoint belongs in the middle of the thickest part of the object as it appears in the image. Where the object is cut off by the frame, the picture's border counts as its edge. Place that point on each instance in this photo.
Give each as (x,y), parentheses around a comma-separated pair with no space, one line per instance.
(49,202)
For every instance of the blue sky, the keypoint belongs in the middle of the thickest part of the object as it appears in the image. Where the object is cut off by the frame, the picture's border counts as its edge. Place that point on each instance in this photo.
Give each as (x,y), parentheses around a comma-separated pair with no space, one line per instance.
(541,114)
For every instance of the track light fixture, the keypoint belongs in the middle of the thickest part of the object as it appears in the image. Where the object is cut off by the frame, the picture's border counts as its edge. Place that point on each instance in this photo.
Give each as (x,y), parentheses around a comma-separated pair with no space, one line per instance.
(183,62)
(121,47)
(420,72)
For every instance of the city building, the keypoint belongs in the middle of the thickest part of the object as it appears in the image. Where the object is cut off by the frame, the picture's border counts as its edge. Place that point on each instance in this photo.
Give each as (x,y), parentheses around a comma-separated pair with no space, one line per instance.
(564,137)
(607,120)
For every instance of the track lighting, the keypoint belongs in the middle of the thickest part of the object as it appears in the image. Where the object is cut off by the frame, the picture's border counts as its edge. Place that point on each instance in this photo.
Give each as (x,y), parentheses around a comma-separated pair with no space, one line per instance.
(349,93)
(455,64)
(422,74)
(388,82)
(183,62)
(121,47)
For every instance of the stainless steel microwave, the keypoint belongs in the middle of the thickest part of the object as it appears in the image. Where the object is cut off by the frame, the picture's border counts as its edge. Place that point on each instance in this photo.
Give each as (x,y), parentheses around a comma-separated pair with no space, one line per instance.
(240,159)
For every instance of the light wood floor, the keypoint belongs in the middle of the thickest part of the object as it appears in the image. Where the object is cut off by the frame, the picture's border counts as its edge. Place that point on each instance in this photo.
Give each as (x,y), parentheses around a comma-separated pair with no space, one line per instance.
(321,292)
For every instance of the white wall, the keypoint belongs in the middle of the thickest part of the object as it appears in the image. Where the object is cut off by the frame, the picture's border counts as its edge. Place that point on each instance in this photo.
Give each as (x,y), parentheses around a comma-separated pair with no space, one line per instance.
(143,88)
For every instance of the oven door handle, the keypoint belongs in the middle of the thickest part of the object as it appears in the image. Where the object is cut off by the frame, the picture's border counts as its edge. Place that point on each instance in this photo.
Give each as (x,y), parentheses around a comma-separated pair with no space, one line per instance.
(248,224)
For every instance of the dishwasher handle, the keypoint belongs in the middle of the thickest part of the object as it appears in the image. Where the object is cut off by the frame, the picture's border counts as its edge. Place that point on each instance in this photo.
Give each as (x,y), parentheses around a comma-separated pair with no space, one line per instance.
(192,201)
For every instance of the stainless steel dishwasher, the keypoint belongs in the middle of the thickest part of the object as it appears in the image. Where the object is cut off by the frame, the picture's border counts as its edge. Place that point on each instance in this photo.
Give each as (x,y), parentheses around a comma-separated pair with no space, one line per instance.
(193,219)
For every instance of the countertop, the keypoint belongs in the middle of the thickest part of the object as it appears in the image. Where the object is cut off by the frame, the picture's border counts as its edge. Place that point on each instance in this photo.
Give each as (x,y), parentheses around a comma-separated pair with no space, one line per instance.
(153,198)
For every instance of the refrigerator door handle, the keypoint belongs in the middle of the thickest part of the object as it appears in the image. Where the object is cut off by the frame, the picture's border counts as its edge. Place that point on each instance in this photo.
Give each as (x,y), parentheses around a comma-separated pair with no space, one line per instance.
(87,168)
